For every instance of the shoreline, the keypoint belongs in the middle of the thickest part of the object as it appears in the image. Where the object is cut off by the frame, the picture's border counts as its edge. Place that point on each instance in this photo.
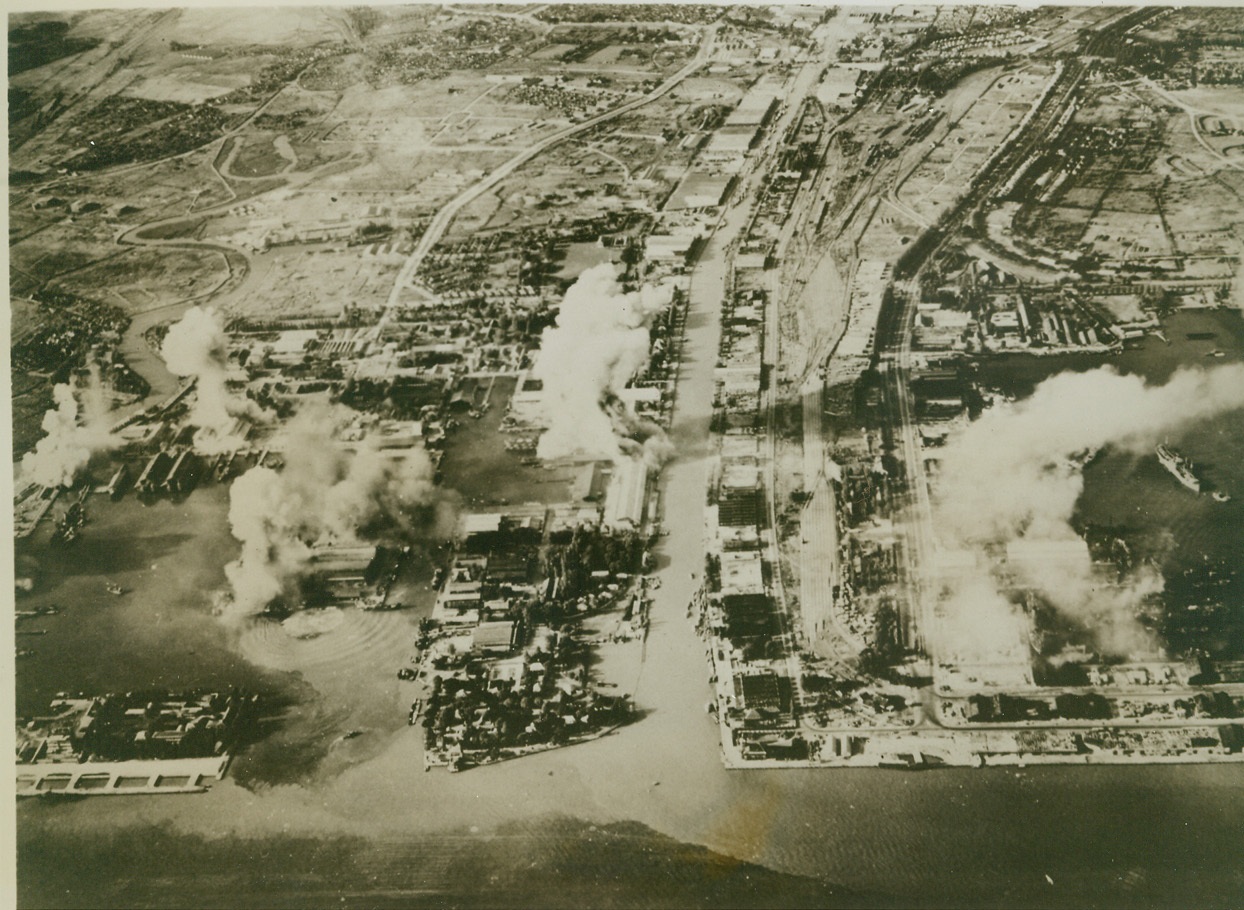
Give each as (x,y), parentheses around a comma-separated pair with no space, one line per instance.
(934,747)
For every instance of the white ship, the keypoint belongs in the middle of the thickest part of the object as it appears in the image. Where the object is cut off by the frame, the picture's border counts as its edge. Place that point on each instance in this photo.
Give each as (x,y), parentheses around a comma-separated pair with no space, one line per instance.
(1179,466)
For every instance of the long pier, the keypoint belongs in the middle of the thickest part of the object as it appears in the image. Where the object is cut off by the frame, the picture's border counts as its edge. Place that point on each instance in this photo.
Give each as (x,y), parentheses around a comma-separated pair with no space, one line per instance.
(123,778)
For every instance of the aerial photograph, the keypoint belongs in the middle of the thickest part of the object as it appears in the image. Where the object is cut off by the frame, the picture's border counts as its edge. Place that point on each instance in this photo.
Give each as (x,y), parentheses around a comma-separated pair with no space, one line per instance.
(627,455)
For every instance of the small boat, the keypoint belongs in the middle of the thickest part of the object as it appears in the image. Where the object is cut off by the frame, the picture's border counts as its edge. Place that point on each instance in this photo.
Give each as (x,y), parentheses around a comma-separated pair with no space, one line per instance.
(41,611)
(1220,496)
(65,535)
(114,588)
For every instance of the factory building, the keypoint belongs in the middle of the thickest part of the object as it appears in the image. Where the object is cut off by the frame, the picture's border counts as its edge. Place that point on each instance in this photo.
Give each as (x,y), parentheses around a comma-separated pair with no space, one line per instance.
(624,501)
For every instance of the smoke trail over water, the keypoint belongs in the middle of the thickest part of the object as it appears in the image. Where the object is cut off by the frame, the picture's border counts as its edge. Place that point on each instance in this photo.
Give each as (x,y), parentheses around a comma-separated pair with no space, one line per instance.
(1006,481)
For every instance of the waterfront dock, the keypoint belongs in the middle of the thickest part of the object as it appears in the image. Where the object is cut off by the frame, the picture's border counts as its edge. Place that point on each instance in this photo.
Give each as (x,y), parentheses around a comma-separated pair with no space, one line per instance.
(123,778)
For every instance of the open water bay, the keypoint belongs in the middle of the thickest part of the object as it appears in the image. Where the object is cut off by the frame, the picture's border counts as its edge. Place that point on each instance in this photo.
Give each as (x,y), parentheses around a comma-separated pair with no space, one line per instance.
(646,817)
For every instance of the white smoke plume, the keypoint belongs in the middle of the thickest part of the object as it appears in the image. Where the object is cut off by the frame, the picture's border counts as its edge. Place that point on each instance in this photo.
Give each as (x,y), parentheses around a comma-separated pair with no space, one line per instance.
(74,433)
(978,624)
(599,344)
(326,494)
(656,448)
(636,436)
(1021,448)
(198,347)
(1007,478)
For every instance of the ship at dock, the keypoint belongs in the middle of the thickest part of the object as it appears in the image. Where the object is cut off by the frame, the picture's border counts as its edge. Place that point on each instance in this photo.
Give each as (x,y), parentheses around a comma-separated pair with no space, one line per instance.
(133,743)
(1179,467)
(70,526)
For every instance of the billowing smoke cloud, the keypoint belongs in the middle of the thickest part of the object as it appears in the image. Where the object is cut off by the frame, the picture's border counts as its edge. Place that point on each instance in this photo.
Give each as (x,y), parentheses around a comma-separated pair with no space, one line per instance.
(1007,479)
(73,434)
(1074,586)
(197,346)
(1021,448)
(325,495)
(978,623)
(649,442)
(599,344)
(635,436)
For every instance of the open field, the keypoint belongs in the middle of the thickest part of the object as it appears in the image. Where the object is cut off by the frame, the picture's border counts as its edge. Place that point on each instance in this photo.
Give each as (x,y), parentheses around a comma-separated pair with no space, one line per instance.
(1159,189)
(317,280)
(58,250)
(141,278)
(941,178)
(262,156)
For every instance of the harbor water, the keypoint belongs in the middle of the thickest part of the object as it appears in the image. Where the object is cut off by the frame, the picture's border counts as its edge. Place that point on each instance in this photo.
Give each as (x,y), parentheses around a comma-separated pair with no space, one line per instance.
(308,817)
(1195,540)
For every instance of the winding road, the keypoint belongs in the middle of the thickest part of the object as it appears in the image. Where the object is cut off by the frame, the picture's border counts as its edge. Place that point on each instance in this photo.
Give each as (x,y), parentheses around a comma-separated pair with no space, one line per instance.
(444,218)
